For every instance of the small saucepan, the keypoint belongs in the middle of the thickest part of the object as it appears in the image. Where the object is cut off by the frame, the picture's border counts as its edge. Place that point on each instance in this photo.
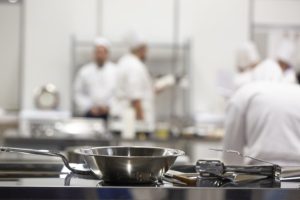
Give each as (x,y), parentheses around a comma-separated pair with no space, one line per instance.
(120,164)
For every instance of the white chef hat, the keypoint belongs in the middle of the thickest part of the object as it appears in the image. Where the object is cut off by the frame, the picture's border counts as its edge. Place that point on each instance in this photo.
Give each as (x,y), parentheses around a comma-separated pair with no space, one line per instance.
(134,40)
(101,41)
(285,51)
(247,55)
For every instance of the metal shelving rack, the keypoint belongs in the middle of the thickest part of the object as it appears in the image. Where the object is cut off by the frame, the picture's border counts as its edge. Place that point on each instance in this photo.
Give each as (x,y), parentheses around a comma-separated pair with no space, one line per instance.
(265,28)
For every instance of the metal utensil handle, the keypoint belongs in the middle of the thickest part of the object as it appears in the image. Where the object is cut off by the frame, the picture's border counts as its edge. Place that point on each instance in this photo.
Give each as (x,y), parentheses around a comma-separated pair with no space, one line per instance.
(28,151)
(45,153)
(252,170)
(242,155)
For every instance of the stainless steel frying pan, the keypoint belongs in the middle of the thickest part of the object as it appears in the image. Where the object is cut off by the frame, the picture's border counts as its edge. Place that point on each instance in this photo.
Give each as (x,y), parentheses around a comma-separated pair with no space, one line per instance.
(125,165)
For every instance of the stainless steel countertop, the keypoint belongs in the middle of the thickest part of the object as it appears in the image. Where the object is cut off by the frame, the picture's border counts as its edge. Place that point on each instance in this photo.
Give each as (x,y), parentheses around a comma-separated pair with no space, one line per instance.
(62,185)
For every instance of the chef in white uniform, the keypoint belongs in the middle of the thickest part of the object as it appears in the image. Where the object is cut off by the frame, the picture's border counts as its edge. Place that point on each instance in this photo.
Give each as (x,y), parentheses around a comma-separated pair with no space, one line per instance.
(247,58)
(278,69)
(135,81)
(95,84)
(263,121)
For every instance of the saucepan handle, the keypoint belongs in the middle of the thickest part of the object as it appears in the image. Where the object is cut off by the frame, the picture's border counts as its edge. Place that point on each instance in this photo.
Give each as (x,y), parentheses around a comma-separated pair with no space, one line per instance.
(47,153)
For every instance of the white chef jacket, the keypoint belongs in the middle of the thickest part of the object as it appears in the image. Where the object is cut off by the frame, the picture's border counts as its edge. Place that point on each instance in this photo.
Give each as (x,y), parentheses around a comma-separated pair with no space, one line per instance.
(242,78)
(136,84)
(95,86)
(290,76)
(268,70)
(263,121)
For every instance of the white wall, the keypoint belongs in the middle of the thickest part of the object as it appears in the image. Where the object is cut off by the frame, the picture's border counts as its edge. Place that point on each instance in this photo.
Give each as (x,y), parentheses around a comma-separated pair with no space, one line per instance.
(216,27)
(151,18)
(284,12)
(9,57)
(49,25)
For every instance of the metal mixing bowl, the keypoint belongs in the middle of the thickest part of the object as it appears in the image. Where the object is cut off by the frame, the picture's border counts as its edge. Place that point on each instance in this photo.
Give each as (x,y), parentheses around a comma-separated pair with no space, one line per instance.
(129,165)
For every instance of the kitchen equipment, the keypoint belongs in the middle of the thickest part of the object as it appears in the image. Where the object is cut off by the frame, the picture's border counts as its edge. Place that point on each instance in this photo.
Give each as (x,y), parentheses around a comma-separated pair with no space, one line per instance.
(45,174)
(73,156)
(81,127)
(214,172)
(80,170)
(130,164)
(217,169)
(117,164)
(188,181)
(237,153)
(47,97)
(272,170)
(50,124)
(10,169)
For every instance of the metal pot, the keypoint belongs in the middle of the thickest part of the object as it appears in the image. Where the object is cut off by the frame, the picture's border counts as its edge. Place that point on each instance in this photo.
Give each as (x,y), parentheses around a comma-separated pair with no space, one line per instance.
(122,165)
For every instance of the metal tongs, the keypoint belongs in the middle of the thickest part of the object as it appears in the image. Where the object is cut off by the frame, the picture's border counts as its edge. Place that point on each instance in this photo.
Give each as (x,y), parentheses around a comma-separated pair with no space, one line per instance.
(217,169)
(215,173)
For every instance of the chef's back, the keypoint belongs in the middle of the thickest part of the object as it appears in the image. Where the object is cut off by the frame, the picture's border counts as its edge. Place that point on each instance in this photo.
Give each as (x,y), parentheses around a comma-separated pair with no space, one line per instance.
(263,121)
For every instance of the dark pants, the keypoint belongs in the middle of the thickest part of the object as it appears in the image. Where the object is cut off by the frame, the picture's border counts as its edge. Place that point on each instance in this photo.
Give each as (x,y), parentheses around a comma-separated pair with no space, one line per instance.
(90,115)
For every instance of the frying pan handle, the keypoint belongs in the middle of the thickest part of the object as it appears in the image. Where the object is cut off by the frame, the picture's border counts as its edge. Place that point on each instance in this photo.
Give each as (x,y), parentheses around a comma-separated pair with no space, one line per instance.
(28,151)
(46,153)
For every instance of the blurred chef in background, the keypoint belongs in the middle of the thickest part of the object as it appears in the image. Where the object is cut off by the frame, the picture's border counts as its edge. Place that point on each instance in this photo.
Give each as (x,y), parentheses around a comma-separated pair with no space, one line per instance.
(263,121)
(135,81)
(136,84)
(247,58)
(95,84)
(279,68)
